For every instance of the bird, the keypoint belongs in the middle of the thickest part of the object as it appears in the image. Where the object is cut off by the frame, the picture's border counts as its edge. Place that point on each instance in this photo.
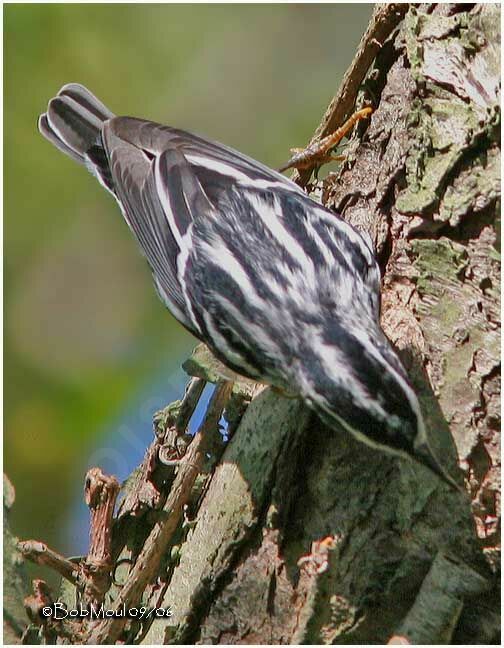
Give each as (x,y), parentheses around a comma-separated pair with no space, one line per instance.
(281,289)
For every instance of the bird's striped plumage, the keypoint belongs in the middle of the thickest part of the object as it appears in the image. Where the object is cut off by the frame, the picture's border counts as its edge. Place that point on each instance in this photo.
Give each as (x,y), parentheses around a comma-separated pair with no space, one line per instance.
(281,289)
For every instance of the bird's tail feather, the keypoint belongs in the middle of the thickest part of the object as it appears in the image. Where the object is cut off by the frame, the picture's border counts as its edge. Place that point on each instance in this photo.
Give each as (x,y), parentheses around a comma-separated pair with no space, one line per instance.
(73,123)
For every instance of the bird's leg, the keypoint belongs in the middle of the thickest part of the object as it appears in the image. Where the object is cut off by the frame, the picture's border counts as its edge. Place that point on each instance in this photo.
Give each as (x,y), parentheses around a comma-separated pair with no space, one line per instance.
(320,153)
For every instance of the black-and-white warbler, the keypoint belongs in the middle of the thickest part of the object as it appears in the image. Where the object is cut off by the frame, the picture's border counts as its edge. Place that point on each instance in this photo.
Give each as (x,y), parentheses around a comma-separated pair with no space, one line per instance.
(281,289)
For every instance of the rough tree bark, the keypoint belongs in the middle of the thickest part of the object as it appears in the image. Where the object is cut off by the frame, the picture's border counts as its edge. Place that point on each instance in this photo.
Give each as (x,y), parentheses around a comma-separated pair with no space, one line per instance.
(295,533)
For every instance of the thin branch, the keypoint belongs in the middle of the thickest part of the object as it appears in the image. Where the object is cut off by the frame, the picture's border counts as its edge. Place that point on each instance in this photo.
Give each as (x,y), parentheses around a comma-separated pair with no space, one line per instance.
(385,18)
(156,544)
(193,393)
(146,492)
(100,493)
(40,554)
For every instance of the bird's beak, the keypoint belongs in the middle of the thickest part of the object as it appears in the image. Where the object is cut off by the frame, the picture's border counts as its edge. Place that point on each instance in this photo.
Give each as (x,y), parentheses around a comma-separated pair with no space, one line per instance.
(425,456)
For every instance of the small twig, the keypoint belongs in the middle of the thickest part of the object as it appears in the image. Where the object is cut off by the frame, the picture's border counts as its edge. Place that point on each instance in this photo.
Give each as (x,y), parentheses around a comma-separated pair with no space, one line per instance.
(169,424)
(39,553)
(384,20)
(189,403)
(100,493)
(155,546)
(319,152)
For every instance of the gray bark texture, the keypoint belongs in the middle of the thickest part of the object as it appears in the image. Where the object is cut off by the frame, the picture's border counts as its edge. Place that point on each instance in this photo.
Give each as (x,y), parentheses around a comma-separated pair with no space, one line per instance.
(295,533)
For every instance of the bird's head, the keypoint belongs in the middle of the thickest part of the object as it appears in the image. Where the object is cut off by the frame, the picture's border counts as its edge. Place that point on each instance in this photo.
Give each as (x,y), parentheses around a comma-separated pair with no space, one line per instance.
(353,377)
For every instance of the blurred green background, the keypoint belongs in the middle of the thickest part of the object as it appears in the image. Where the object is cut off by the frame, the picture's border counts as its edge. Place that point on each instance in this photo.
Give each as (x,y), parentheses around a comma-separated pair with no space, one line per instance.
(87,343)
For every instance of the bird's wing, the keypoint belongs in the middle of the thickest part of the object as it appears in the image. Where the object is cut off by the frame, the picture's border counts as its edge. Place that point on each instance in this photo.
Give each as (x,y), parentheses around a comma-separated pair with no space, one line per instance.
(133,174)
(235,247)
(164,179)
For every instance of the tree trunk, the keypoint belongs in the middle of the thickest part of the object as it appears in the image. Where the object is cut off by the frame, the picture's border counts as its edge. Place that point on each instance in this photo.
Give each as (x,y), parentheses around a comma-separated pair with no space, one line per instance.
(406,556)
(301,534)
